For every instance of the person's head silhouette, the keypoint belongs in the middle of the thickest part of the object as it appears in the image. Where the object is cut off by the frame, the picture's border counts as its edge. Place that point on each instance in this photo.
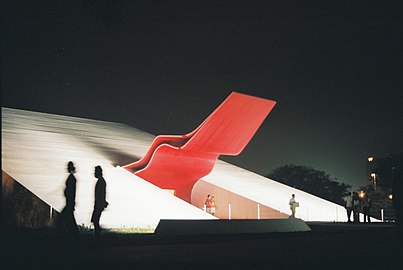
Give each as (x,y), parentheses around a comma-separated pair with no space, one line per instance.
(70,167)
(98,172)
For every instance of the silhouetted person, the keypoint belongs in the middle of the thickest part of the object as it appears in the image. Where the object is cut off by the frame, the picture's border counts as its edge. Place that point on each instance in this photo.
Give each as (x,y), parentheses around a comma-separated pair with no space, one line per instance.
(356,207)
(100,199)
(69,221)
(367,208)
(348,204)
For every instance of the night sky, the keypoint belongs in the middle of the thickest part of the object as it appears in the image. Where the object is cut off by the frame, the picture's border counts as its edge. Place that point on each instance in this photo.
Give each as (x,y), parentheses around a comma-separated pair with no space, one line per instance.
(335,69)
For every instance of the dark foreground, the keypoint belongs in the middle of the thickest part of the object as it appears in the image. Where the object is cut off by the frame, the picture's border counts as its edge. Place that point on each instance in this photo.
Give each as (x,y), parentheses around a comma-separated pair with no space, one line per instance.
(327,246)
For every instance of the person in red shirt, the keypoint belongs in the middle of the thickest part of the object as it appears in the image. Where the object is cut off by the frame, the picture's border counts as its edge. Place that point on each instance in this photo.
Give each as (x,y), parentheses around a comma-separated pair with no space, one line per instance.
(207,204)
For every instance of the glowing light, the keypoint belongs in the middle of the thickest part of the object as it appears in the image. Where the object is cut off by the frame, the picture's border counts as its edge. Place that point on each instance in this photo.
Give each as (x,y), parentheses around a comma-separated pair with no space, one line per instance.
(373,175)
(361,194)
(370,159)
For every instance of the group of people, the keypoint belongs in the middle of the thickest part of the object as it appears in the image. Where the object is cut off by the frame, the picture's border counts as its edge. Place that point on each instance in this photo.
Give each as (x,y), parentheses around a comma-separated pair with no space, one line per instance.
(68,219)
(352,202)
(355,205)
(210,205)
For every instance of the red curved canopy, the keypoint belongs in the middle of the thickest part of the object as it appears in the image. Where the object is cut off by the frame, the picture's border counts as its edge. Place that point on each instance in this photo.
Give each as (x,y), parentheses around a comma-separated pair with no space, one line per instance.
(178,162)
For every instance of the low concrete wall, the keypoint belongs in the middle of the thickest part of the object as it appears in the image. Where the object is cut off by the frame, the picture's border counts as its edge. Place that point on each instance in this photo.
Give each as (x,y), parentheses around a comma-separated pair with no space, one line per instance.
(231,205)
(181,227)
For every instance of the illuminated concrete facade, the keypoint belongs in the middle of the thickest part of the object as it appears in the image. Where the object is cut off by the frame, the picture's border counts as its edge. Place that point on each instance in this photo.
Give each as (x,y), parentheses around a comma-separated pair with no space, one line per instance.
(37,146)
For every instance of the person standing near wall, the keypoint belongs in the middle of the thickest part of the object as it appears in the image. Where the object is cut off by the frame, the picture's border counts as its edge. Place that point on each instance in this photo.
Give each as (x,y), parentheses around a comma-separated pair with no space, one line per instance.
(367,208)
(100,199)
(293,205)
(207,204)
(68,219)
(348,204)
(356,207)
(213,206)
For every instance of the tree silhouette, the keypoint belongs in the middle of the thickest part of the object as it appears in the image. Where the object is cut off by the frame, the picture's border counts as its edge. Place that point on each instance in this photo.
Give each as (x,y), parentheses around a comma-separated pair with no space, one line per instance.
(310,180)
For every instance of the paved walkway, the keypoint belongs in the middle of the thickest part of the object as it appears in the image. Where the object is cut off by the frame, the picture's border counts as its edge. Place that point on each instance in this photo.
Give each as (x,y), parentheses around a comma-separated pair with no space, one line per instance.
(327,246)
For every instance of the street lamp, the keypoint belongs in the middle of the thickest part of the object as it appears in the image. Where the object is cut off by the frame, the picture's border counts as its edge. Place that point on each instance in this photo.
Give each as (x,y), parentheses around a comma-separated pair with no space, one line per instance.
(372,170)
(373,175)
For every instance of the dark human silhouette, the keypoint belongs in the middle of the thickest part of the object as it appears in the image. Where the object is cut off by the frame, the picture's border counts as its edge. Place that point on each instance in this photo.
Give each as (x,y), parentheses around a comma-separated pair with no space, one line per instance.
(356,207)
(69,221)
(348,204)
(100,200)
(367,208)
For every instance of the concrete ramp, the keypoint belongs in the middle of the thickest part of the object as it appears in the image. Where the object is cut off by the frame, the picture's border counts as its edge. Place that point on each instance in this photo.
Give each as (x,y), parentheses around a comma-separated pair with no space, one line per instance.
(36,148)
(189,227)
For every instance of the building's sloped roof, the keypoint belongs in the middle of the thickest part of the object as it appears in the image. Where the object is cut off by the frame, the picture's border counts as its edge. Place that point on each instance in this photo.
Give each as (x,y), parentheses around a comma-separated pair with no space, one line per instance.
(37,146)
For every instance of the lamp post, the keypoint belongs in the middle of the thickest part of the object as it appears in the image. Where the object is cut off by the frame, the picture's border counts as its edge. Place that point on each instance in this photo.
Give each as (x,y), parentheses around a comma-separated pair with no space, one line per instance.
(373,173)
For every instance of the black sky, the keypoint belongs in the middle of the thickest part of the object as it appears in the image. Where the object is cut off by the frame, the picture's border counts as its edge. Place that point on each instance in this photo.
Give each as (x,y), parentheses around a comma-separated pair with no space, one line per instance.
(334,67)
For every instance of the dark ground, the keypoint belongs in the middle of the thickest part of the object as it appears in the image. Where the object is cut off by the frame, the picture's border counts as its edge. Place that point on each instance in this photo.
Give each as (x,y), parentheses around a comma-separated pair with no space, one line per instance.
(327,246)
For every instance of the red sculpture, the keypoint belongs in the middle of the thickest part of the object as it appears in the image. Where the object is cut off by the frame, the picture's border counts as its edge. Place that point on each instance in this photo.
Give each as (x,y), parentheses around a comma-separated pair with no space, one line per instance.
(178,162)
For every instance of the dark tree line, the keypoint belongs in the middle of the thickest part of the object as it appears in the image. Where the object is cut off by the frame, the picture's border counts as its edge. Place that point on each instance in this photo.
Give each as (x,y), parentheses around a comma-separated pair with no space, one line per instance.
(310,180)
